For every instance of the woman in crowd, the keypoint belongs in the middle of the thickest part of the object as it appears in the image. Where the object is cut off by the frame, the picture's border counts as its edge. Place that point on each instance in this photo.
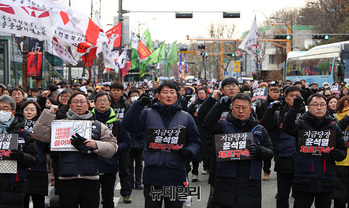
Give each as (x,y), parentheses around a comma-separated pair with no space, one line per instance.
(341,194)
(37,178)
(344,91)
(331,102)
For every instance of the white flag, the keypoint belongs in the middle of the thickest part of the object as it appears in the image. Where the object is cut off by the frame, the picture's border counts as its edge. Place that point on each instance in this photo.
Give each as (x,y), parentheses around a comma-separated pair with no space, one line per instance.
(26,21)
(47,5)
(57,49)
(135,41)
(251,41)
(122,59)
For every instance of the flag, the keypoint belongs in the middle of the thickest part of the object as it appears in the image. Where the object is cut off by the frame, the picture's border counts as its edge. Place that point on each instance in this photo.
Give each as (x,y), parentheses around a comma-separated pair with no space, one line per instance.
(114,35)
(57,49)
(162,54)
(89,57)
(122,59)
(134,41)
(180,66)
(71,26)
(251,41)
(185,65)
(47,5)
(127,63)
(26,21)
(172,55)
(146,39)
(34,58)
(142,50)
(134,59)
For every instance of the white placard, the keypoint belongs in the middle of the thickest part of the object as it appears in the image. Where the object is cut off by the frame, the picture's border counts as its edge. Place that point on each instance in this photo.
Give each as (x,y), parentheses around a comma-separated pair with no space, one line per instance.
(62,130)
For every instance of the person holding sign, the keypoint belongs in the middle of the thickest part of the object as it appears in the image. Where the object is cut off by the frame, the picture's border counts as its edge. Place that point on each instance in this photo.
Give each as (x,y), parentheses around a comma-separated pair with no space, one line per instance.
(173,138)
(78,176)
(240,149)
(12,185)
(320,144)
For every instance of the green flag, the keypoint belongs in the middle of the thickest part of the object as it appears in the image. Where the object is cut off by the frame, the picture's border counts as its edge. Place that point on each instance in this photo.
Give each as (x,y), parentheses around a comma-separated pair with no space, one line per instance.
(162,51)
(134,59)
(156,54)
(147,40)
(172,55)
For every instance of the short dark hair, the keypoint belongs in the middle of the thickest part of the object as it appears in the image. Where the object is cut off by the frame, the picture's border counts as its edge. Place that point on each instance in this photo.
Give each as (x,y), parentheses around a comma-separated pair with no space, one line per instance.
(17,89)
(100,94)
(317,96)
(76,94)
(329,98)
(37,106)
(291,89)
(133,91)
(201,89)
(168,83)
(116,85)
(242,96)
(229,80)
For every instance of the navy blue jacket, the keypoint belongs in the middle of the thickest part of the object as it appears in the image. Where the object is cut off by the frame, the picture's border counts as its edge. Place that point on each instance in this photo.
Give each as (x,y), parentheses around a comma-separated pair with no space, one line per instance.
(314,173)
(163,168)
(232,125)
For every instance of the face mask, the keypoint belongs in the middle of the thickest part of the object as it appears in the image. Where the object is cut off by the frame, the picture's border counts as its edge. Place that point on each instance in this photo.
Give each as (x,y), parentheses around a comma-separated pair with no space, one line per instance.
(133,99)
(5,116)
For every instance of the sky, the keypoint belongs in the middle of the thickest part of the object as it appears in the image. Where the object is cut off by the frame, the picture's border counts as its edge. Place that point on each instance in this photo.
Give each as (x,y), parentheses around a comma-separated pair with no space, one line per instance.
(163,25)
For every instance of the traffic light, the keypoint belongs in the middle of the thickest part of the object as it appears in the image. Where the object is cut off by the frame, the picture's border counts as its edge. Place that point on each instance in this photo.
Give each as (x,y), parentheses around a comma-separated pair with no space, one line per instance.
(231,14)
(231,54)
(282,36)
(321,37)
(201,47)
(184,15)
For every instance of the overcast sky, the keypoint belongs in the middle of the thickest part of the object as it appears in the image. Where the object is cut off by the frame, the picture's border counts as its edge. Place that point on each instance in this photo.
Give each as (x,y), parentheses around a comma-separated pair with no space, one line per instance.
(165,27)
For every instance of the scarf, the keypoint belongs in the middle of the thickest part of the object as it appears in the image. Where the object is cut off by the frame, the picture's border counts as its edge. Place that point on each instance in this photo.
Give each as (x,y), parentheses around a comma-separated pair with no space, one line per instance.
(71,115)
(6,125)
(102,117)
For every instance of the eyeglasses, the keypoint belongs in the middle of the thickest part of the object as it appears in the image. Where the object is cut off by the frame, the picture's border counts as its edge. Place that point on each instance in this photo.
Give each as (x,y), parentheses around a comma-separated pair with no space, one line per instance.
(65,96)
(79,101)
(230,86)
(318,104)
(6,109)
(243,108)
(102,101)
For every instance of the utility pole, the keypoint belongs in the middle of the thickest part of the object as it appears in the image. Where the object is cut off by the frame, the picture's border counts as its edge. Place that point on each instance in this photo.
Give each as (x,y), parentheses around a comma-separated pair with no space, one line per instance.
(120,18)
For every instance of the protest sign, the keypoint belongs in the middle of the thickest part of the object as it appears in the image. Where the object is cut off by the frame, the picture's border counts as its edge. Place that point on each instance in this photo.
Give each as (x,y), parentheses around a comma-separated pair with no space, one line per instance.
(62,130)
(8,142)
(166,139)
(233,146)
(316,142)
(260,93)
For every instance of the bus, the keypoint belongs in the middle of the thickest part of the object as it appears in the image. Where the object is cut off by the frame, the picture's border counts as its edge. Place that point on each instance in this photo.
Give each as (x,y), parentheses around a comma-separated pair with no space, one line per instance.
(325,63)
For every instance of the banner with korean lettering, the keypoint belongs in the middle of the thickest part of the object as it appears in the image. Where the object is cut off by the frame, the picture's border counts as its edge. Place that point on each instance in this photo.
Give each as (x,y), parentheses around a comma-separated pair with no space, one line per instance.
(34,62)
(114,35)
(62,130)
(57,49)
(166,140)
(233,146)
(316,142)
(47,5)
(8,142)
(260,93)
(26,21)
(336,90)
(346,137)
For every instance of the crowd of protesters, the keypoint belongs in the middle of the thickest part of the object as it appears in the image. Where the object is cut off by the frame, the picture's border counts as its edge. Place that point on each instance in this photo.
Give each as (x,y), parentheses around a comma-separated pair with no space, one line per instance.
(126,116)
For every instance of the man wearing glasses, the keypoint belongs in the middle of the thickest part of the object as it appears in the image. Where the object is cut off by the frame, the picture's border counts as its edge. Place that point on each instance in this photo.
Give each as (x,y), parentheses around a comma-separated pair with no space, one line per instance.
(229,87)
(238,182)
(109,167)
(78,176)
(314,173)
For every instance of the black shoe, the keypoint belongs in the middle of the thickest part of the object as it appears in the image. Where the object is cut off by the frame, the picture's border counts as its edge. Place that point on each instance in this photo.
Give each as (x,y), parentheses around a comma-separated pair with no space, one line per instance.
(127,199)
(139,186)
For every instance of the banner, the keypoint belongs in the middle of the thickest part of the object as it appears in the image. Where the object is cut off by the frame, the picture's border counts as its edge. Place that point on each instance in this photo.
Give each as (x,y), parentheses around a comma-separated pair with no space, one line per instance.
(8,142)
(26,21)
(57,49)
(47,5)
(180,66)
(259,93)
(166,140)
(233,146)
(114,35)
(316,142)
(34,62)
(62,130)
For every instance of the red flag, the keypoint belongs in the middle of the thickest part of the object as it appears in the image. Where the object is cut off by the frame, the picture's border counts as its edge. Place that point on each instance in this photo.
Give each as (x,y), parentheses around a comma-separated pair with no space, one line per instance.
(143,51)
(89,57)
(34,64)
(115,31)
(92,32)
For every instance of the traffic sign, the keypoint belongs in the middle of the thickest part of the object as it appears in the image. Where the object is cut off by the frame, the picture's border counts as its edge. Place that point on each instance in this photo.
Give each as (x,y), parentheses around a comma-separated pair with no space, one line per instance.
(198,53)
(237,53)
